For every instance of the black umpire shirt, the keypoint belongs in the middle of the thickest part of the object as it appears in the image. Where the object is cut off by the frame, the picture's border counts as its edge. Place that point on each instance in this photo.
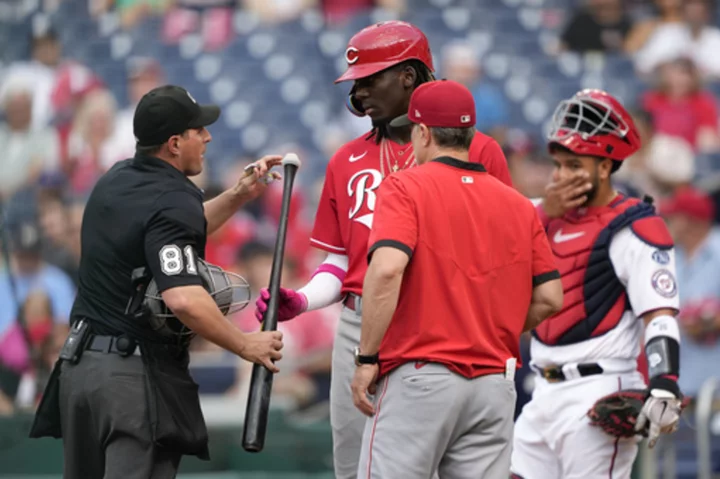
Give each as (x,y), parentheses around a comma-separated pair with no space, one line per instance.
(142,213)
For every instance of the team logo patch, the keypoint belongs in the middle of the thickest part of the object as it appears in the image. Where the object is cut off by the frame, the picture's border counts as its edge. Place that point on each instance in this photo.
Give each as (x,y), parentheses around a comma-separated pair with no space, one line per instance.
(664,284)
(351,55)
(467,179)
(661,257)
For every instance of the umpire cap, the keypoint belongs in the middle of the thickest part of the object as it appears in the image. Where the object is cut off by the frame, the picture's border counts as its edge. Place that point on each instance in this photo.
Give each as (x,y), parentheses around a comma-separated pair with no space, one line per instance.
(169,110)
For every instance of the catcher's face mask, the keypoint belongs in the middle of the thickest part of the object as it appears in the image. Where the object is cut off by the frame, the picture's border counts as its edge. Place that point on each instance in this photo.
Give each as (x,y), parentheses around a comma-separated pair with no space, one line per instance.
(230,292)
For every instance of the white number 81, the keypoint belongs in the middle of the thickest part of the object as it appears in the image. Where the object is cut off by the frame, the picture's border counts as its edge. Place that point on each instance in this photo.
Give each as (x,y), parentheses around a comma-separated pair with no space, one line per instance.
(171,260)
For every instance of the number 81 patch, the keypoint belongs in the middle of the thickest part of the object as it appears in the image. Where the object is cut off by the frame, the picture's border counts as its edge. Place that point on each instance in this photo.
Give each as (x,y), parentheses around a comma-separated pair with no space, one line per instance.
(664,283)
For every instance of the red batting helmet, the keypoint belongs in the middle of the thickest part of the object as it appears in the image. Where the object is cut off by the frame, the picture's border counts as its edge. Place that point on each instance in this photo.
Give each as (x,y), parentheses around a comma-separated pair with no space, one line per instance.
(594,123)
(383,45)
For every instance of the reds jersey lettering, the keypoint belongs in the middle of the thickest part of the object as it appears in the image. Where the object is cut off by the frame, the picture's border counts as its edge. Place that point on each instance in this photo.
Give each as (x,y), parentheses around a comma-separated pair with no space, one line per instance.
(347,203)
(361,189)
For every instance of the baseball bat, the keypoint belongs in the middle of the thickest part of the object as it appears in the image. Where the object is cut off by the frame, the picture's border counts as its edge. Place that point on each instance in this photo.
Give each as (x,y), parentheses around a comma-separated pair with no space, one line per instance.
(256,414)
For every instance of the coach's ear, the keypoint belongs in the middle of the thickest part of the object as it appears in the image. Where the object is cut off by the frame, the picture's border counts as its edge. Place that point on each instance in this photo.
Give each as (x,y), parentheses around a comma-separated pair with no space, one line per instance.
(425,134)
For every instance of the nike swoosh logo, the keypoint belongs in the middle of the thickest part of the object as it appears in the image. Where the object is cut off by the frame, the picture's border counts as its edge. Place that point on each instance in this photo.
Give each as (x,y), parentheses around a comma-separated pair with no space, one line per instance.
(354,158)
(561,238)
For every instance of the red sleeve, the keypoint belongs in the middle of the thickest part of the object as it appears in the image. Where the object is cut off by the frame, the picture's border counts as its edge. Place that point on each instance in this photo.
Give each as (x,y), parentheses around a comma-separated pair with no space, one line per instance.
(543,260)
(395,223)
(707,111)
(326,231)
(493,159)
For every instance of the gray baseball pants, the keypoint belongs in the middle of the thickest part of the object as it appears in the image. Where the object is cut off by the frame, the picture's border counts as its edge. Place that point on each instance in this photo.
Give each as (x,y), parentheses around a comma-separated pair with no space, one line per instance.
(347,422)
(430,419)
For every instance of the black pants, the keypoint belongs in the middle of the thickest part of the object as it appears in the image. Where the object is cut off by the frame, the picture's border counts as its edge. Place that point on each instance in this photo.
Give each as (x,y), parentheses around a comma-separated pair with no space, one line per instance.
(105,422)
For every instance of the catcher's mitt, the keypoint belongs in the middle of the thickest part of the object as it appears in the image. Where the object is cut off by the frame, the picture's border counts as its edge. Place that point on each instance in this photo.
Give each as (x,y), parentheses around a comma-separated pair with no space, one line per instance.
(617,413)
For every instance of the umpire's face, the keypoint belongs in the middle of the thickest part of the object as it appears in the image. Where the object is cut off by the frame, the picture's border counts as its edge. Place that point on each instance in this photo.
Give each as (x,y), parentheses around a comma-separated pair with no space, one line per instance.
(190,147)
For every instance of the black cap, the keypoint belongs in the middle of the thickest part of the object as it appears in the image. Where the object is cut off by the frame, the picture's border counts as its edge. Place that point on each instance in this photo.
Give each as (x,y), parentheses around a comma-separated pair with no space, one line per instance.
(25,237)
(169,110)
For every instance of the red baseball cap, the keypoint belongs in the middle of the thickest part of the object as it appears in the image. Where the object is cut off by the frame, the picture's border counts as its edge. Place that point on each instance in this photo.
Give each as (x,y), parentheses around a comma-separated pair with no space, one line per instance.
(691,202)
(441,103)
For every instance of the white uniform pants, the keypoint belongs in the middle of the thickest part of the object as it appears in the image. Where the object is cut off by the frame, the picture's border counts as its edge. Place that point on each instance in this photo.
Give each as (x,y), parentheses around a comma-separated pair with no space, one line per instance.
(554,440)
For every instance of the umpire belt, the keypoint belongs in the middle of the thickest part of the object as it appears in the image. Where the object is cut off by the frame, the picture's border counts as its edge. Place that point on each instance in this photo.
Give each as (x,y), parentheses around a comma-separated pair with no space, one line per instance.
(121,345)
(555,374)
(354,303)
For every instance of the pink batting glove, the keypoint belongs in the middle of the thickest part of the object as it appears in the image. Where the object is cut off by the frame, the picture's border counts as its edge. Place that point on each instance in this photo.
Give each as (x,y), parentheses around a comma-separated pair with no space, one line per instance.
(290,305)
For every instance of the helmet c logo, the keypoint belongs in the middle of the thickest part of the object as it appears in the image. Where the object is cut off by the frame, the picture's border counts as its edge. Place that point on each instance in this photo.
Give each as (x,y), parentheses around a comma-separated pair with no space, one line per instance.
(351,55)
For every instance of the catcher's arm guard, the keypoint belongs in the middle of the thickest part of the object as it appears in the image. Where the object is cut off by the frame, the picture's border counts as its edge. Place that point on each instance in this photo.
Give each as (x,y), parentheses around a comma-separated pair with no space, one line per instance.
(617,413)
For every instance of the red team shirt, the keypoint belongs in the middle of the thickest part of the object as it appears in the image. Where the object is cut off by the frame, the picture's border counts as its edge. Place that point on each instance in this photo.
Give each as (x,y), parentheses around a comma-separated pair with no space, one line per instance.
(466,291)
(347,204)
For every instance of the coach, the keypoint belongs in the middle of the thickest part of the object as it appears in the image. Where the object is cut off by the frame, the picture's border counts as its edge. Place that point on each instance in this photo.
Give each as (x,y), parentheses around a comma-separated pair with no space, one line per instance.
(459,267)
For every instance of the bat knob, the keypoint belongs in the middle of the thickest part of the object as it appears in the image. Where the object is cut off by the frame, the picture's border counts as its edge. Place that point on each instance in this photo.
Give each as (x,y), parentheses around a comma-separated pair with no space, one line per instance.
(291,159)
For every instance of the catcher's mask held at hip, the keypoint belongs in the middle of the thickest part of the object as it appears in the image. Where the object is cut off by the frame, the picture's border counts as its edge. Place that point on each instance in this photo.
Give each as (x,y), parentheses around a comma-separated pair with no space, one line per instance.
(230,291)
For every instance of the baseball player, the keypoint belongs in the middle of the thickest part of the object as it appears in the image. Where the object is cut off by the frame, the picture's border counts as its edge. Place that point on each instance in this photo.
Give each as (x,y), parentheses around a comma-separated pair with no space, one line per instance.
(617,263)
(449,246)
(386,62)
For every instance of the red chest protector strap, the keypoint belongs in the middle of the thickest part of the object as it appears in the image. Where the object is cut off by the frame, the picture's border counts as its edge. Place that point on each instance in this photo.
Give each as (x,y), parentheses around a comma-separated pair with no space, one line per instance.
(602,289)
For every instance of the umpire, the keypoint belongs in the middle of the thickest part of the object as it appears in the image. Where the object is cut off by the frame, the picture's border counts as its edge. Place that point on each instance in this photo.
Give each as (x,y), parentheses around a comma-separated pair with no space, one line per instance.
(121,395)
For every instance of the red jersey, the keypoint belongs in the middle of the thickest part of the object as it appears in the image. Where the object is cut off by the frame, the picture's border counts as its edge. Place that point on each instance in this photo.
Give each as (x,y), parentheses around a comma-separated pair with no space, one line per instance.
(347,204)
(477,250)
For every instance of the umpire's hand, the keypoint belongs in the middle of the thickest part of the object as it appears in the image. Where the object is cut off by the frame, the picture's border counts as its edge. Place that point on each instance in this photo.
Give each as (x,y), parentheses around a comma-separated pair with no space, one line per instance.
(257,176)
(263,347)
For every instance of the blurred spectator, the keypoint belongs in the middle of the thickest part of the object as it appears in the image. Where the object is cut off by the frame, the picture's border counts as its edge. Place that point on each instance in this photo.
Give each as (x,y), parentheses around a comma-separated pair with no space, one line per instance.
(278,11)
(26,291)
(308,338)
(337,12)
(143,74)
(73,81)
(46,339)
(461,63)
(601,25)
(689,215)
(670,165)
(680,107)
(89,148)
(26,152)
(663,164)
(58,232)
(695,37)
(31,273)
(131,12)
(666,12)
(39,74)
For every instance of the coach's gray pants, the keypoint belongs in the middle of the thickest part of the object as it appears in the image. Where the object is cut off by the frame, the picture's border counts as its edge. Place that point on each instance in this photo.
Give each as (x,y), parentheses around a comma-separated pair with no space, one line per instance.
(347,422)
(429,419)
(104,420)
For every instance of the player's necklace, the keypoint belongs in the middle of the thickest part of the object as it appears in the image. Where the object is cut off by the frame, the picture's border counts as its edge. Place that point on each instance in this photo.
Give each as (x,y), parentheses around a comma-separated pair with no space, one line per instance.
(389,159)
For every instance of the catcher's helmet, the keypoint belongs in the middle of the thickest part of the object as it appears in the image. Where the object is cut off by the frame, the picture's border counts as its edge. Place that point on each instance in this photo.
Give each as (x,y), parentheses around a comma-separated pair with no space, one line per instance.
(594,123)
(230,291)
(383,45)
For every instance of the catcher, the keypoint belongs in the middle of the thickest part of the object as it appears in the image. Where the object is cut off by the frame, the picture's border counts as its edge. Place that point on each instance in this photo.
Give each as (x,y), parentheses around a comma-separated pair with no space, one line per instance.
(591,406)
